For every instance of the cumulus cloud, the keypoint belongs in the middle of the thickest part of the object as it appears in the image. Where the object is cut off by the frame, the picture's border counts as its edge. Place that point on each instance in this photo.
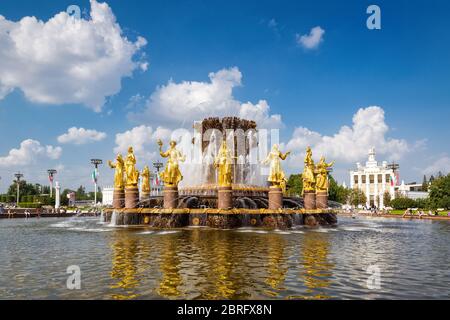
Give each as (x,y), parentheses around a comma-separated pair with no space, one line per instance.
(350,144)
(143,140)
(440,165)
(67,60)
(311,40)
(193,100)
(80,136)
(28,152)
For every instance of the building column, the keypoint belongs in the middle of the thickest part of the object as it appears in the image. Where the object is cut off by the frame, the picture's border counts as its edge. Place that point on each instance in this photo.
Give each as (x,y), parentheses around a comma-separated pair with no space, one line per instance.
(383,190)
(367,190)
(375,180)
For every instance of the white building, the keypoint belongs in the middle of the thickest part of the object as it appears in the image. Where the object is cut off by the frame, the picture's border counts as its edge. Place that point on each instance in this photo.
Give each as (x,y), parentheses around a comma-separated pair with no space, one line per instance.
(412,190)
(374,180)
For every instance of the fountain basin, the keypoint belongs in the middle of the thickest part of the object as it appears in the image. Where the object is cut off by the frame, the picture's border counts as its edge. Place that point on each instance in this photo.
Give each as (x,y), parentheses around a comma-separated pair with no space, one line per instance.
(220,218)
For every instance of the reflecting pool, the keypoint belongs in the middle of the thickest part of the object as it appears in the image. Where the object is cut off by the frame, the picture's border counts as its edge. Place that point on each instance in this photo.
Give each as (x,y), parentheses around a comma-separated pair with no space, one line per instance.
(412,257)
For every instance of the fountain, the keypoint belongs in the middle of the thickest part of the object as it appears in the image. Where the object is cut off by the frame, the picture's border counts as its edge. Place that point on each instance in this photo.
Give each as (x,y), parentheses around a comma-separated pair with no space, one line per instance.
(216,181)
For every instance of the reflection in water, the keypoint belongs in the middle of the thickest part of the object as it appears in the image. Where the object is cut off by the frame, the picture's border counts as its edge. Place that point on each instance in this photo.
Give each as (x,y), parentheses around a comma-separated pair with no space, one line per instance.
(124,267)
(133,263)
(277,267)
(317,270)
(171,280)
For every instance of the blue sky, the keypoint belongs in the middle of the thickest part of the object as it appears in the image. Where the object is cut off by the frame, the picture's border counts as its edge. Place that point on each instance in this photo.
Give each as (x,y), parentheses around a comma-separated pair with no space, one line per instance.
(403,69)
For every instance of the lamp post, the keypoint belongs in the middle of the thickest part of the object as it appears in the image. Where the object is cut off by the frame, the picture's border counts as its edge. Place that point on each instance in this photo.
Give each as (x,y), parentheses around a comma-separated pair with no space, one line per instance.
(51,174)
(18,176)
(95,162)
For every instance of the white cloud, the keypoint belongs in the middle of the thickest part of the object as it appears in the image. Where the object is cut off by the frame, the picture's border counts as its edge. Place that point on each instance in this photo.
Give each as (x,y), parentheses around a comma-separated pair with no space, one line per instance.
(193,100)
(311,40)
(350,144)
(67,60)
(143,140)
(442,164)
(80,136)
(28,152)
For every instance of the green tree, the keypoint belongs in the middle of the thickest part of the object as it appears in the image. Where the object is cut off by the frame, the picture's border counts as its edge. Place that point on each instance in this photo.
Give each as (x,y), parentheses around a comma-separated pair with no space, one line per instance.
(336,192)
(26,189)
(356,197)
(425,183)
(294,185)
(387,199)
(440,193)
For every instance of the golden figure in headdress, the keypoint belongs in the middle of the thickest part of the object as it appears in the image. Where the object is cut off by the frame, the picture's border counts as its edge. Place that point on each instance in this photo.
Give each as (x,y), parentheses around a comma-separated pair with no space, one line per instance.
(276,175)
(224,162)
(132,174)
(118,174)
(145,180)
(322,175)
(308,176)
(171,174)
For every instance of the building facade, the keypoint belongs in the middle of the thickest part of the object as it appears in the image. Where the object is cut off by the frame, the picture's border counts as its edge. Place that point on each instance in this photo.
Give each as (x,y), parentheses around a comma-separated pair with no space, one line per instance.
(374,180)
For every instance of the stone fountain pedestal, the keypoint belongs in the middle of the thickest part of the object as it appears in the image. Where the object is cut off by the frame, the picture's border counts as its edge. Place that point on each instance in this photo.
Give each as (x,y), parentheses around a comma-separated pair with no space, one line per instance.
(145,197)
(309,198)
(118,198)
(225,197)
(275,198)
(170,197)
(322,200)
(131,197)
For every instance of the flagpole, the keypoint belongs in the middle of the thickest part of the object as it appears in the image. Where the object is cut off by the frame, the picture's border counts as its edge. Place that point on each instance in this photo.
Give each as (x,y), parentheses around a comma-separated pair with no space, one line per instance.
(95,162)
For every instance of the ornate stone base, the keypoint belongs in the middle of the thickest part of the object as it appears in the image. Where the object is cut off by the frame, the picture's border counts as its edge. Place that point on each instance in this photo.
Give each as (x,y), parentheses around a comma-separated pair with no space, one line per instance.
(118,198)
(131,197)
(170,197)
(309,199)
(275,198)
(322,200)
(145,197)
(225,198)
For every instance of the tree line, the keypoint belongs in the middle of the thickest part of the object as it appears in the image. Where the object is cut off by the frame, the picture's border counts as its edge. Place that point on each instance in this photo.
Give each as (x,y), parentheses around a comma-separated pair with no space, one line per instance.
(34,195)
(438,188)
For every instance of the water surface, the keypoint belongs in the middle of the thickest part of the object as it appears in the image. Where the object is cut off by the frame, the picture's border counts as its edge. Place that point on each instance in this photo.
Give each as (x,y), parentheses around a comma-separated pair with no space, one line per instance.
(199,263)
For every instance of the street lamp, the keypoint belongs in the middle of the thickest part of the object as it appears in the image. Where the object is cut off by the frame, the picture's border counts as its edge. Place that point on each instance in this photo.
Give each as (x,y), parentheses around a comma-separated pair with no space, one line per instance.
(18,176)
(51,173)
(95,162)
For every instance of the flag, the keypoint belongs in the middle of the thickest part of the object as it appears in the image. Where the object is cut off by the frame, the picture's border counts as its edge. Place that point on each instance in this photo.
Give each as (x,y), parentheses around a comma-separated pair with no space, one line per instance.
(95,175)
(50,177)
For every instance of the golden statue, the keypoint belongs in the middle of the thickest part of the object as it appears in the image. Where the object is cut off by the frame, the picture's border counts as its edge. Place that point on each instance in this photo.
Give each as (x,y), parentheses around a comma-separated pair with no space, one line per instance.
(309,179)
(223,162)
(276,175)
(130,169)
(118,174)
(171,174)
(145,180)
(322,175)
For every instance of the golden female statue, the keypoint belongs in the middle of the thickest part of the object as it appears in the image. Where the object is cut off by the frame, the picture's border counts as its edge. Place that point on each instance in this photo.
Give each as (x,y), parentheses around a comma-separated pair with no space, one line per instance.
(118,174)
(145,180)
(223,162)
(171,174)
(130,169)
(309,179)
(322,175)
(276,175)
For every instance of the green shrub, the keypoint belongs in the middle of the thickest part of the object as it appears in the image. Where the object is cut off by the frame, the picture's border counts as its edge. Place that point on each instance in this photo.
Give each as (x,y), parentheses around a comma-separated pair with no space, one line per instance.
(30,205)
(403,203)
